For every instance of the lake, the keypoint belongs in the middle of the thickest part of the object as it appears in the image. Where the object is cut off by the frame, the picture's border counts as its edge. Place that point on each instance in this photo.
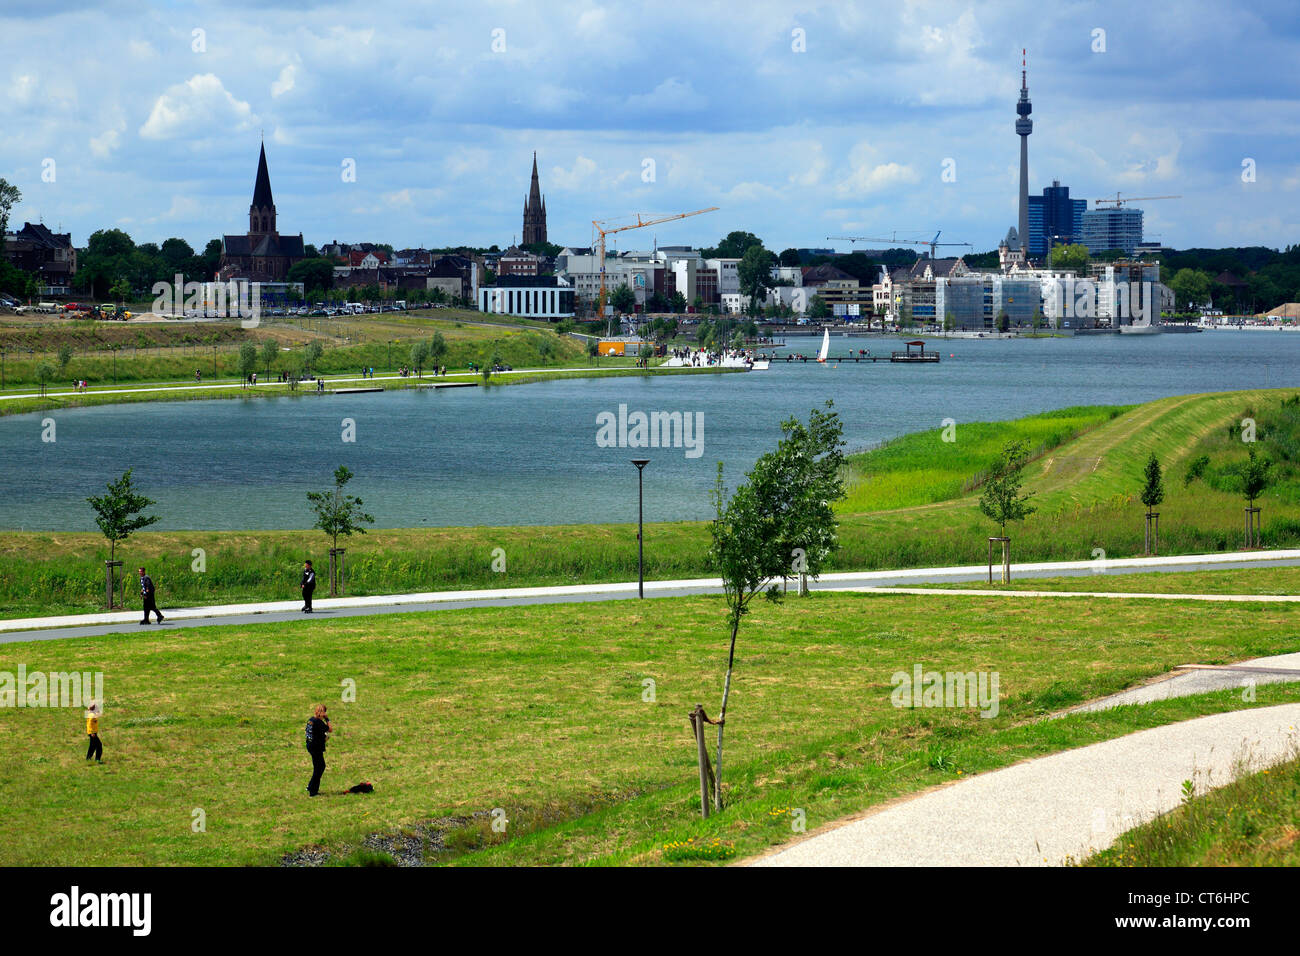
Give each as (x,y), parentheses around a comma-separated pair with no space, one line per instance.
(530,454)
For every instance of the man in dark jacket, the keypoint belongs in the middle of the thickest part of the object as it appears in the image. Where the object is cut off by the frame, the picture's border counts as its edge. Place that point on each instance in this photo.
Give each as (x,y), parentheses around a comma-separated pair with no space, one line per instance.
(308,586)
(318,727)
(147,597)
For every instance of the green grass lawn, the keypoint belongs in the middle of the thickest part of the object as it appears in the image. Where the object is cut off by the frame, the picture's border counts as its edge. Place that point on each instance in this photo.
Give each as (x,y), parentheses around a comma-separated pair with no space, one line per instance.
(1253,821)
(542,712)
(1238,581)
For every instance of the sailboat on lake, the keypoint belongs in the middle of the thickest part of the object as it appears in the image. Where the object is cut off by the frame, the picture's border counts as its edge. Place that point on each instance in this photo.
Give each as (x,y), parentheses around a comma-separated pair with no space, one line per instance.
(826,346)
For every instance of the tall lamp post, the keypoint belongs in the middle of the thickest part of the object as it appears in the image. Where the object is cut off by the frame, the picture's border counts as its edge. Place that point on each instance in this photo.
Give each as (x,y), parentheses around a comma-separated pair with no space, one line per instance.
(640,512)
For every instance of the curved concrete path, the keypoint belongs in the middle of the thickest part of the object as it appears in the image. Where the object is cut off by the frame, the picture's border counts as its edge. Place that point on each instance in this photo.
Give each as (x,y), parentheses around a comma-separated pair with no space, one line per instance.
(1202,679)
(1044,812)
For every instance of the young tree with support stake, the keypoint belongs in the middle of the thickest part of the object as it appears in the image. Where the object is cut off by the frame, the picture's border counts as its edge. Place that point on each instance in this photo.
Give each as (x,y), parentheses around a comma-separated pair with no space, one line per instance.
(782,517)
(1153,492)
(338,514)
(119,514)
(1002,502)
(1255,478)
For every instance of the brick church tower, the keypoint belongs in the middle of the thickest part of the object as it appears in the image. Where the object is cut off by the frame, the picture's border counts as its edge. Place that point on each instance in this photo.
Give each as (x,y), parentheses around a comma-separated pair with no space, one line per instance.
(534,211)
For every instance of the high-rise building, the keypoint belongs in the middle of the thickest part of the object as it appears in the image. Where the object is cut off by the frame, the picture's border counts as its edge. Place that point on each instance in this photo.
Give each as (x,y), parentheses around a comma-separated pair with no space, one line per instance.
(534,211)
(1054,218)
(1118,228)
(1024,126)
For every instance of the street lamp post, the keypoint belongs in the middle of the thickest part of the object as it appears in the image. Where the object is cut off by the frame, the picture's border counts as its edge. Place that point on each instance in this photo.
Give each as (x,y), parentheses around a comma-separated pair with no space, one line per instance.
(390,355)
(640,512)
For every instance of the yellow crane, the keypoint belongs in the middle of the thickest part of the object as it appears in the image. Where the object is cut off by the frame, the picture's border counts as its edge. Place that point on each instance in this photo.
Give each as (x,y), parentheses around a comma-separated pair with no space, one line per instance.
(602,228)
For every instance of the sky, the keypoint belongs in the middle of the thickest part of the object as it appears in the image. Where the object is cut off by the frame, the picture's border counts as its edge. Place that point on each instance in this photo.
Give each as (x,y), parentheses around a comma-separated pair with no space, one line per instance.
(414,123)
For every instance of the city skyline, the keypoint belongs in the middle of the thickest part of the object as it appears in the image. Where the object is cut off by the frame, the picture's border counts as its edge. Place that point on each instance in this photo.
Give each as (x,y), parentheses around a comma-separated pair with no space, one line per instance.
(794,124)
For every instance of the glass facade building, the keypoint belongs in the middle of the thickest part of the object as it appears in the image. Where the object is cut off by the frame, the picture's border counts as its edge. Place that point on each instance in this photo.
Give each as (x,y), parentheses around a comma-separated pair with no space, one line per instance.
(1054,217)
(1118,228)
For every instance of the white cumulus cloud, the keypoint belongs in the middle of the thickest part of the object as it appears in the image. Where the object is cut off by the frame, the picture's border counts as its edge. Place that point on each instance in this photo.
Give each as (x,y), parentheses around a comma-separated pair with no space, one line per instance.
(198,108)
(284,83)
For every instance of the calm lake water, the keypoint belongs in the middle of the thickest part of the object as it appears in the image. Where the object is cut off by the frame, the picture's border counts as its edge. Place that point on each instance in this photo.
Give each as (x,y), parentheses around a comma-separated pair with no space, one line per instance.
(529,454)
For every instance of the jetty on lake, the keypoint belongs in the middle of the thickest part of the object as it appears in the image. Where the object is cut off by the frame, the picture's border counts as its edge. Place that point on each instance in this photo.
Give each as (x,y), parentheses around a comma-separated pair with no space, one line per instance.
(907,355)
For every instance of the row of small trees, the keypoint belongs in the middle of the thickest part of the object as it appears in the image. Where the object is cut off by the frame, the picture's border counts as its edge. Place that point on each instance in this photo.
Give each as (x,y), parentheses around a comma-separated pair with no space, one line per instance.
(121,512)
(1003,502)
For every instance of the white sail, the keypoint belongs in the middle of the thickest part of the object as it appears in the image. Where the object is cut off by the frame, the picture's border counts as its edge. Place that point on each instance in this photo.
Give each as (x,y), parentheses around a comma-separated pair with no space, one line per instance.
(826,345)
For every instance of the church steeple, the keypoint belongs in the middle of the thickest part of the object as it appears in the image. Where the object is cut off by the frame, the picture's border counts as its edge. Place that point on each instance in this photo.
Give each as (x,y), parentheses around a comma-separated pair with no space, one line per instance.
(534,211)
(261,213)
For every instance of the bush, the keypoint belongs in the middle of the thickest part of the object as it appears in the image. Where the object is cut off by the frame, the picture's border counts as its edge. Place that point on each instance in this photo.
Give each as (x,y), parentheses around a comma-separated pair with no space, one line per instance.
(1196,469)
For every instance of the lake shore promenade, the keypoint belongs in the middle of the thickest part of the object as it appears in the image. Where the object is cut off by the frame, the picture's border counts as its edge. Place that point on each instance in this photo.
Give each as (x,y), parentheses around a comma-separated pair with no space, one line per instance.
(897,582)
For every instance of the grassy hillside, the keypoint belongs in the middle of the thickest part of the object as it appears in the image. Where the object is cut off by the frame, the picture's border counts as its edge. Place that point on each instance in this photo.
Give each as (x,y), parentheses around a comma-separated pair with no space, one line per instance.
(942,464)
(171,351)
(544,712)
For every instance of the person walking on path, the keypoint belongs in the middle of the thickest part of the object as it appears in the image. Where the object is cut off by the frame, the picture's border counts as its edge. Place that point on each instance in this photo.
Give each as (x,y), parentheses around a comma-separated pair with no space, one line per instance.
(318,728)
(147,596)
(96,749)
(308,586)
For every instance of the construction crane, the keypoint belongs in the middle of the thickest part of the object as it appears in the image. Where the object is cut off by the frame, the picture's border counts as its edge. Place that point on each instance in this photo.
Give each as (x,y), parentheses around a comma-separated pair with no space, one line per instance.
(932,243)
(602,228)
(1117,202)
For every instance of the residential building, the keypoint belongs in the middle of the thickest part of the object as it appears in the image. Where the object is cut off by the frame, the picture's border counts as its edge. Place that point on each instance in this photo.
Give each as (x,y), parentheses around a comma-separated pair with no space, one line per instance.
(373,259)
(517,262)
(50,255)
(1127,292)
(457,276)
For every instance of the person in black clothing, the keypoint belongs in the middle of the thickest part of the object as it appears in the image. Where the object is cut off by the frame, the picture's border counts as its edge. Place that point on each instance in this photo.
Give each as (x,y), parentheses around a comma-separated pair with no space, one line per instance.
(147,597)
(308,586)
(319,727)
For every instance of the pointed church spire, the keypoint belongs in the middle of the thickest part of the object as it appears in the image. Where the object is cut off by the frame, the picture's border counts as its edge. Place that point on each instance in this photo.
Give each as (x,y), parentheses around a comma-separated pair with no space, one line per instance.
(534,210)
(262,189)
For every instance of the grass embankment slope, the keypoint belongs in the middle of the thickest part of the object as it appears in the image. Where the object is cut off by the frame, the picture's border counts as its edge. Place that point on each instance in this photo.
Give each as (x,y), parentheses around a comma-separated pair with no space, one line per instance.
(1085,491)
(171,351)
(543,712)
(126,394)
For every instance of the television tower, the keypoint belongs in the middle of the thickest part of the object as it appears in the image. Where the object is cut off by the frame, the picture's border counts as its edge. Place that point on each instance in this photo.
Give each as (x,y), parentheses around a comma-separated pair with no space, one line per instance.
(1024,126)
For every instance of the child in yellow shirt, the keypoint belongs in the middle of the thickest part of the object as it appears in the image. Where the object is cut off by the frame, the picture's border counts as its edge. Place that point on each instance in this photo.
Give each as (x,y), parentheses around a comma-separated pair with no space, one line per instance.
(96,749)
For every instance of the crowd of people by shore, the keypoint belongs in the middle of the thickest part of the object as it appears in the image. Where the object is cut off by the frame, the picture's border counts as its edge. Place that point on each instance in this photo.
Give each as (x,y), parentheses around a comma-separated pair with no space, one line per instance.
(708,358)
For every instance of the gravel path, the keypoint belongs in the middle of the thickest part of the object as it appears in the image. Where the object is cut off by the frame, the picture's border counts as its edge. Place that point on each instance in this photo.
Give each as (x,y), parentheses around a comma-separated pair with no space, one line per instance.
(1046,811)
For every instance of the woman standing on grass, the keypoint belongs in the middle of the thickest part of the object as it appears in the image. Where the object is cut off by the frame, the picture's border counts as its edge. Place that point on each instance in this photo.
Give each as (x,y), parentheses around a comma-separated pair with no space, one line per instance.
(318,727)
(96,749)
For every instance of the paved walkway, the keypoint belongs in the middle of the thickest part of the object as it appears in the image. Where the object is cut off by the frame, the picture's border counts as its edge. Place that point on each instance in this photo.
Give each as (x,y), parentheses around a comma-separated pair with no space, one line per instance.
(1202,679)
(1046,811)
(91,625)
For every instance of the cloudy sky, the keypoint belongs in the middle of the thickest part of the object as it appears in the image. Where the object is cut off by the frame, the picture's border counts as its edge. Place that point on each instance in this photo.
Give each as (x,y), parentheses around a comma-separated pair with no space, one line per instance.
(801,120)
